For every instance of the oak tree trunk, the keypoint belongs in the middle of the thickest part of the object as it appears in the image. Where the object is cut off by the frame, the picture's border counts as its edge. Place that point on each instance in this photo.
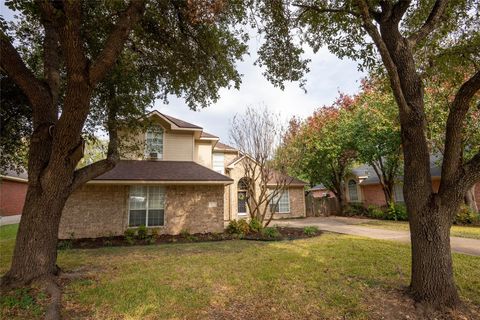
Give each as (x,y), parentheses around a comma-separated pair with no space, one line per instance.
(432,272)
(35,251)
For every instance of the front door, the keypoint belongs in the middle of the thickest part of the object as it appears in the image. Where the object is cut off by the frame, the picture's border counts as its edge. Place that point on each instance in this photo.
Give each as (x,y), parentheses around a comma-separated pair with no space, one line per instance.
(242,202)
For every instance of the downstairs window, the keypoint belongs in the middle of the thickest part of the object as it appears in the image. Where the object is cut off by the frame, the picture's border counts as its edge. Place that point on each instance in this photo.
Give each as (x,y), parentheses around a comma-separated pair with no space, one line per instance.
(146,206)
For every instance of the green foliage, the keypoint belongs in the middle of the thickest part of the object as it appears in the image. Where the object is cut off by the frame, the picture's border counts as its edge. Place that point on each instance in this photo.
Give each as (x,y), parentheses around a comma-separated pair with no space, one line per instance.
(16,126)
(466,216)
(239,227)
(319,149)
(355,209)
(142,232)
(375,212)
(397,212)
(271,233)
(310,230)
(130,236)
(255,225)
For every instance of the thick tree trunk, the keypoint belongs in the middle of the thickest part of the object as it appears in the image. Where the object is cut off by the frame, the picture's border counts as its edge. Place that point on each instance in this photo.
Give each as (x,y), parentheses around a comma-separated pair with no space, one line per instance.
(432,279)
(36,244)
(470,200)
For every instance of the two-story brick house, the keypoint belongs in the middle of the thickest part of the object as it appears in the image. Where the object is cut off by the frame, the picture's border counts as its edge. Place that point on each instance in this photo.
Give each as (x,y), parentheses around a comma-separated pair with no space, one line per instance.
(183,178)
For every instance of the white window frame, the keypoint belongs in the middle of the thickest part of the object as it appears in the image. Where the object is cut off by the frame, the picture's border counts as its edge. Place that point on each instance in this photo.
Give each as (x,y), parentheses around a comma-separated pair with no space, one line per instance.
(398,193)
(356,191)
(160,131)
(281,194)
(218,169)
(162,190)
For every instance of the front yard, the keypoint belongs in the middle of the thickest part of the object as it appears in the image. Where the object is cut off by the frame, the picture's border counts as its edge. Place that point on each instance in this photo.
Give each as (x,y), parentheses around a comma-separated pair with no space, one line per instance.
(327,277)
(456,231)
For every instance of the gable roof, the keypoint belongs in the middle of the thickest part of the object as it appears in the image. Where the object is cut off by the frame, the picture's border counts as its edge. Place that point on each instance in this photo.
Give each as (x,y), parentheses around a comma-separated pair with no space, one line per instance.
(177,122)
(161,172)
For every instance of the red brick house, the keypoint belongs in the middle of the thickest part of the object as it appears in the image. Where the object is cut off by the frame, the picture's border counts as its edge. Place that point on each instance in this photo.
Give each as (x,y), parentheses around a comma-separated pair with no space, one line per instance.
(13,189)
(362,186)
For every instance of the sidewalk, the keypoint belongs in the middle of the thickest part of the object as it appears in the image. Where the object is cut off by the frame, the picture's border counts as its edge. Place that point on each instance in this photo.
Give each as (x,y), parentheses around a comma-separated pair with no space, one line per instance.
(350,226)
(4,220)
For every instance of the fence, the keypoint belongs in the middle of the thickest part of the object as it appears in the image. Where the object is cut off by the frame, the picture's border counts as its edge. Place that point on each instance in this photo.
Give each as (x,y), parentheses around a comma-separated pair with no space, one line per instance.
(321,206)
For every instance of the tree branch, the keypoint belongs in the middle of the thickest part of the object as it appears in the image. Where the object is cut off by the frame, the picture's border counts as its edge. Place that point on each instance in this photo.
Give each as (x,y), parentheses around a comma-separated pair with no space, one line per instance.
(385,54)
(318,9)
(95,169)
(116,40)
(452,158)
(433,19)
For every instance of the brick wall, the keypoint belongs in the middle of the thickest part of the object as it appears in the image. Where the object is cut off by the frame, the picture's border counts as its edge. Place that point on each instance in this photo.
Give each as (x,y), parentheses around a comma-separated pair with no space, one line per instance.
(95,211)
(372,195)
(99,210)
(297,204)
(12,197)
(196,209)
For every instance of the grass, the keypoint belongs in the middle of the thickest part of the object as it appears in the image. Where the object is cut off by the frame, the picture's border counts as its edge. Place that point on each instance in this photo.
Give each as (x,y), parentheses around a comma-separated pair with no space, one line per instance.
(329,277)
(456,231)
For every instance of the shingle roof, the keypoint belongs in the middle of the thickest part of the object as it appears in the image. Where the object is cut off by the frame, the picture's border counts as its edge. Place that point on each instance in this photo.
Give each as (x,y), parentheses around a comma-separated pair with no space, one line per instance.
(178,122)
(318,187)
(208,135)
(223,146)
(162,171)
(13,174)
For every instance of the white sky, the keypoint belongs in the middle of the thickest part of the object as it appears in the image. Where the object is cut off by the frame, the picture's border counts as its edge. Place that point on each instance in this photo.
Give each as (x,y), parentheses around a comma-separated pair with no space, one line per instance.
(328,75)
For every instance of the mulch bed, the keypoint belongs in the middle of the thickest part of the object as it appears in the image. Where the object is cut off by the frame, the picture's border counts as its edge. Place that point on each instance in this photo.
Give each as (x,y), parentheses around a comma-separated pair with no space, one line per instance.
(286,233)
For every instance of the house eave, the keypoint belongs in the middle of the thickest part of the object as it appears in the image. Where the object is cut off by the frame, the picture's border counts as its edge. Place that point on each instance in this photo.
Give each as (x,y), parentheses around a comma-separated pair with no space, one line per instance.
(157,182)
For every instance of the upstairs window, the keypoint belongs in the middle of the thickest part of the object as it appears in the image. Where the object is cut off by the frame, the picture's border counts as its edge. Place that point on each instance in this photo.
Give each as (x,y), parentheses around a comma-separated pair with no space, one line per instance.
(218,163)
(280,203)
(154,143)
(352,190)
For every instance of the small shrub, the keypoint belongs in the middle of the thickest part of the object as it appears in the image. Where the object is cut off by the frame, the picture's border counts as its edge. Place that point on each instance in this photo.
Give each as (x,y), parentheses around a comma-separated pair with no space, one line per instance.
(142,232)
(375,212)
(310,231)
(255,225)
(270,233)
(238,227)
(466,216)
(129,236)
(355,209)
(396,212)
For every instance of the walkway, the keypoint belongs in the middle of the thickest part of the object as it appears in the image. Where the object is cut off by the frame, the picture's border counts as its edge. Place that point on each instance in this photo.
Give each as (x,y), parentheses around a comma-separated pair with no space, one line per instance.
(4,220)
(350,226)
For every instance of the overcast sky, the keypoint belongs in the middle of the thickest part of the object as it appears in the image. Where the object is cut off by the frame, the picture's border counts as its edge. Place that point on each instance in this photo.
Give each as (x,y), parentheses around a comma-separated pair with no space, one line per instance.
(328,75)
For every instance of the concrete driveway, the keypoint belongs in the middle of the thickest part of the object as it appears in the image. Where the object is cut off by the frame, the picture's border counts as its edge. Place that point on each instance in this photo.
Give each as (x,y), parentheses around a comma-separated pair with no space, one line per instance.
(350,226)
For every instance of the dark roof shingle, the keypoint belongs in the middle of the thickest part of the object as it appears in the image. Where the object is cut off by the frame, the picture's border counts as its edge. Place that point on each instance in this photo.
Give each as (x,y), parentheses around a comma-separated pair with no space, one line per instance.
(162,171)
(180,123)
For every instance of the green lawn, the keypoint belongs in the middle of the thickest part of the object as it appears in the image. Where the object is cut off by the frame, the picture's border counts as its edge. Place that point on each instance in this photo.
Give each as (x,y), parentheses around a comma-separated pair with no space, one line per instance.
(328,277)
(456,231)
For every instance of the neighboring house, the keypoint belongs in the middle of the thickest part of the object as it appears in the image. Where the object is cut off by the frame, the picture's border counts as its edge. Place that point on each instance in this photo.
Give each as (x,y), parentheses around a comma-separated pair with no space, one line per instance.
(363,186)
(13,189)
(181,179)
